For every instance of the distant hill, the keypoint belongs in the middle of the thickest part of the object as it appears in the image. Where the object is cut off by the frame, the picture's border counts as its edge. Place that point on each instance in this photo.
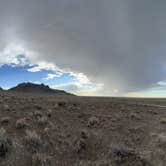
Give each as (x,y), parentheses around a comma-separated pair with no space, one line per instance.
(37,88)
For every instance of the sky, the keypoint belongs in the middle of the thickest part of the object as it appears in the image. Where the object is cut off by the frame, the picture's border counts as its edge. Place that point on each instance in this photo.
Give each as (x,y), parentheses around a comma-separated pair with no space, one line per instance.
(87,47)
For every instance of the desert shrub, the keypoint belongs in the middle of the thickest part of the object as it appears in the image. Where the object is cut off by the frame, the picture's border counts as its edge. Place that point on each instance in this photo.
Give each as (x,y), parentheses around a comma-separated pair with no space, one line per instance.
(89,144)
(41,160)
(134,116)
(122,155)
(84,134)
(49,113)
(42,121)
(5,120)
(61,104)
(119,152)
(163,121)
(160,140)
(6,107)
(5,144)
(100,162)
(158,157)
(80,145)
(21,123)
(38,106)
(46,131)
(93,121)
(38,114)
(32,141)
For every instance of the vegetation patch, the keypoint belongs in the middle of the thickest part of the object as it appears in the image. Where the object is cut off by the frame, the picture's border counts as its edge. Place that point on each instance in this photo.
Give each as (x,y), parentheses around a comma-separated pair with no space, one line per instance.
(5,144)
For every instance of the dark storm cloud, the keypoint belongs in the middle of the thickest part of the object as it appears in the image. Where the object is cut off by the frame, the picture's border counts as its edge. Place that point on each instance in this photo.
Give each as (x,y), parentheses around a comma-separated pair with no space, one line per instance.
(121,43)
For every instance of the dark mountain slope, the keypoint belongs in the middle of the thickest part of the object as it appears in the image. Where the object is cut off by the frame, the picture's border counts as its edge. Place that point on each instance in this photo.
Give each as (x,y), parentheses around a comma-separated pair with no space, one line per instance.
(37,88)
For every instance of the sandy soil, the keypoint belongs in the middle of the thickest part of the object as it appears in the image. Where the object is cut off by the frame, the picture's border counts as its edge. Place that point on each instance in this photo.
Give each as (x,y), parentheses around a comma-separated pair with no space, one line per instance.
(81,131)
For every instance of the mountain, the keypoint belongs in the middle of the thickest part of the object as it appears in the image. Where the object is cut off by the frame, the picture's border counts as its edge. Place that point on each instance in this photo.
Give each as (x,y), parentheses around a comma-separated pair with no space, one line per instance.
(37,88)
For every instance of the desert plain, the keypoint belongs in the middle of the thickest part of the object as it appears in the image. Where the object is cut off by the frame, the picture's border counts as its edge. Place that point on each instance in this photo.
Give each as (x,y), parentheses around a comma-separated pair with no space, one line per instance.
(51,130)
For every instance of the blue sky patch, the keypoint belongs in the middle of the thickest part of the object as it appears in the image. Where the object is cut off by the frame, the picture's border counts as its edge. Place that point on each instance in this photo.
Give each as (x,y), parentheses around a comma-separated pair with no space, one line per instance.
(13,75)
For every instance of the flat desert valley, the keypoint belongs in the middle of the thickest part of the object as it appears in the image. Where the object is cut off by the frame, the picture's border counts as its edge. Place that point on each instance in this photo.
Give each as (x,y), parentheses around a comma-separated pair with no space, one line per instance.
(49,130)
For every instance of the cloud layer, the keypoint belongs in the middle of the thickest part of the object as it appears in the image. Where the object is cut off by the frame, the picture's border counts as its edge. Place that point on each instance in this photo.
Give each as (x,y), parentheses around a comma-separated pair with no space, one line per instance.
(119,43)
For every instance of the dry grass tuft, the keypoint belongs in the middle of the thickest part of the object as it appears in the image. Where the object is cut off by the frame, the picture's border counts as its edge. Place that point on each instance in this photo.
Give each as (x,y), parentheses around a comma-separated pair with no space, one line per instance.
(32,141)
(41,160)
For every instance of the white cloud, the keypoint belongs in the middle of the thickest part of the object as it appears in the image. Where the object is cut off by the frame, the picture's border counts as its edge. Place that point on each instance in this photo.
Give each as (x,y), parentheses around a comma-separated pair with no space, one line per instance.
(12,55)
(81,78)
(52,76)
(43,66)
(81,85)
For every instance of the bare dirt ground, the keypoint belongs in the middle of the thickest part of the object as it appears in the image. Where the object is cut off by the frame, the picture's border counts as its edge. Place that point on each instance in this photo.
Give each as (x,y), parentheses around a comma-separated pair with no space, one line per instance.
(81,131)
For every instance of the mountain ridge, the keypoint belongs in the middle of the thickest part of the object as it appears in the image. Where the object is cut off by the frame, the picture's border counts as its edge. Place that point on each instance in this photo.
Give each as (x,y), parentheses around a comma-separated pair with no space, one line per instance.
(28,87)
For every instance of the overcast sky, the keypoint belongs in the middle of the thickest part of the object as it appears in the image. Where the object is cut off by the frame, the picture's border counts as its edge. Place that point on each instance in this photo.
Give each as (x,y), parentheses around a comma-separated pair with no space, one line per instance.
(108,46)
